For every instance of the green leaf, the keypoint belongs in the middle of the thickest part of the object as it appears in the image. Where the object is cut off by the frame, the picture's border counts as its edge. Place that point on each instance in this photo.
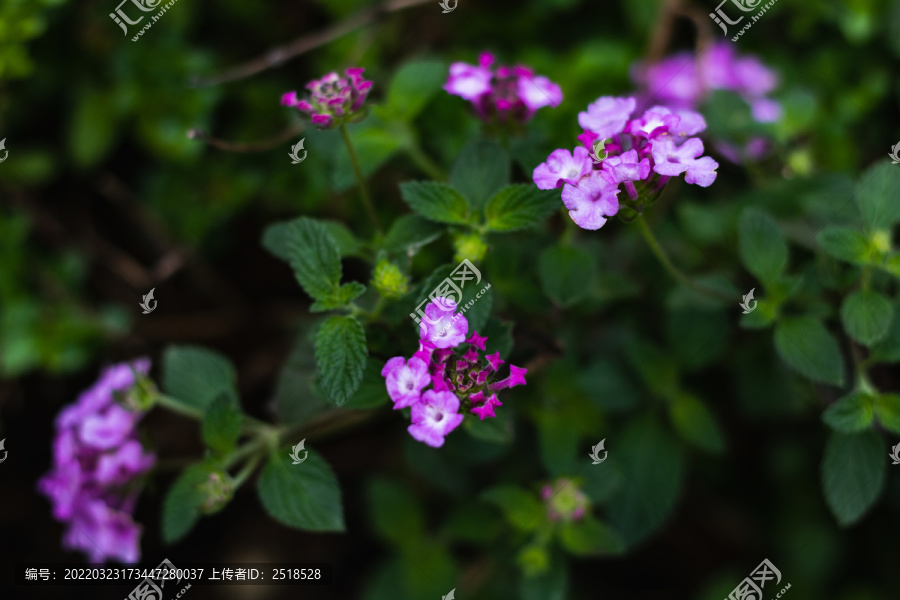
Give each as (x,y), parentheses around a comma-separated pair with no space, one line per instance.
(851,413)
(652,471)
(807,347)
(341,356)
(520,507)
(867,316)
(483,167)
(296,399)
(222,424)
(343,296)
(888,350)
(395,514)
(876,195)
(195,375)
(371,392)
(181,508)
(409,233)
(695,424)
(520,206)
(853,474)
(312,253)
(589,537)
(607,388)
(601,481)
(762,247)
(375,140)
(567,273)
(558,445)
(497,430)
(844,244)
(887,409)
(347,243)
(436,201)
(305,496)
(93,128)
(549,585)
(413,86)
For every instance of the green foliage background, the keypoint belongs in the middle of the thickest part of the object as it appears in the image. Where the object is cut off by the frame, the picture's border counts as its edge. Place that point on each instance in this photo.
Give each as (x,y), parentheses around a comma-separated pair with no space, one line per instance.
(731,438)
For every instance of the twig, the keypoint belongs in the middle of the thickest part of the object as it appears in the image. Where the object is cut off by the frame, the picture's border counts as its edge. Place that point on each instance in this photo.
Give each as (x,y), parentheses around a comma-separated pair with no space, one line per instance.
(262,146)
(306,43)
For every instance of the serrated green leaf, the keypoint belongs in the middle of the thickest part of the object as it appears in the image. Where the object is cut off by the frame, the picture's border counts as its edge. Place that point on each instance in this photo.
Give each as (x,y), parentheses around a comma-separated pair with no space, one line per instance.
(412,87)
(497,430)
(844,244)
(853,469)
(395,514)
(409,233)
(876,195)
(181,507)
(520,206)
(607,387)
(296,398)
(313,254)
(371,392)
(343,296)
(195,375)
(867,316)
(521,508)
(483,167)
(762,247)
(347,243)
(436,201)
(305,496)
(652,471)
(887,409)
(888,350)
(222,424)
(558,447)
(590,537)
(567,274)
(341,356)
(807,347)
(695,424)
(851,413)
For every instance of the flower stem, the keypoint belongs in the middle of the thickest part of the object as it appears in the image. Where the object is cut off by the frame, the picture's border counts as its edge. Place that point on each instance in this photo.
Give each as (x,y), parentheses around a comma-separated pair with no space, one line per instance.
(360,180)
(672,269)
(423,162)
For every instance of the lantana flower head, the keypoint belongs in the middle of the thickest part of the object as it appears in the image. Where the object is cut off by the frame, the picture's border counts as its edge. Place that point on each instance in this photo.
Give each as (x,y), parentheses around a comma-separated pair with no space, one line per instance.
(96,457)
(462,380)
(680,81)
(639,153)
(503,93)
(333,99)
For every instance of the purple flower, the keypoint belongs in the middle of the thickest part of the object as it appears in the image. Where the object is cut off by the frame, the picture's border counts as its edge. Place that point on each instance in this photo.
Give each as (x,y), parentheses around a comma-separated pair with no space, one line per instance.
(562,167)
(591,201)
(468,81)
(434,416)
(503,93)
(477,341)
(405,380)
(607,115)
(333,100)
(516,377)
(441,327)
(652,124)
(626,167)
(537,92)
(96,454)
(672,160)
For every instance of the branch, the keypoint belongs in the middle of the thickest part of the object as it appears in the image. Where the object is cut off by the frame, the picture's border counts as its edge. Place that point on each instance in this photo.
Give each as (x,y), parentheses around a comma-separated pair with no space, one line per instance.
(306,43)
(268,144)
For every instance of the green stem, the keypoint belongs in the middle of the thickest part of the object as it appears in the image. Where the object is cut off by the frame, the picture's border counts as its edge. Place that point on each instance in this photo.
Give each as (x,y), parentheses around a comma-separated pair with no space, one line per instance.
(414,151)
(360,180)
(247,470)
(672,269)
(177,407)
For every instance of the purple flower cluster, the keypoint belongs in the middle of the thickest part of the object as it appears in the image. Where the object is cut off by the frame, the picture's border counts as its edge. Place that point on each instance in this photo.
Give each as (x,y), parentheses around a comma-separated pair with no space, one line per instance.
(333,100)
(646,151)
(458,380)
(96,453)
(679,81)
(507,92)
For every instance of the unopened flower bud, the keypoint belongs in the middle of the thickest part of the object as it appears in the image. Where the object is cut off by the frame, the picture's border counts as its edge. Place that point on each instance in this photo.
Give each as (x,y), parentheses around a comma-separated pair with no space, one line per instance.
(217,490)
(469,246)
(389,280)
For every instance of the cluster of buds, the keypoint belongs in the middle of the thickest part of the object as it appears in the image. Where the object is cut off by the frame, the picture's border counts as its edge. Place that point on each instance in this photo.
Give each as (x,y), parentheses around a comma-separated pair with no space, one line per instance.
(333,100)
(462,382)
